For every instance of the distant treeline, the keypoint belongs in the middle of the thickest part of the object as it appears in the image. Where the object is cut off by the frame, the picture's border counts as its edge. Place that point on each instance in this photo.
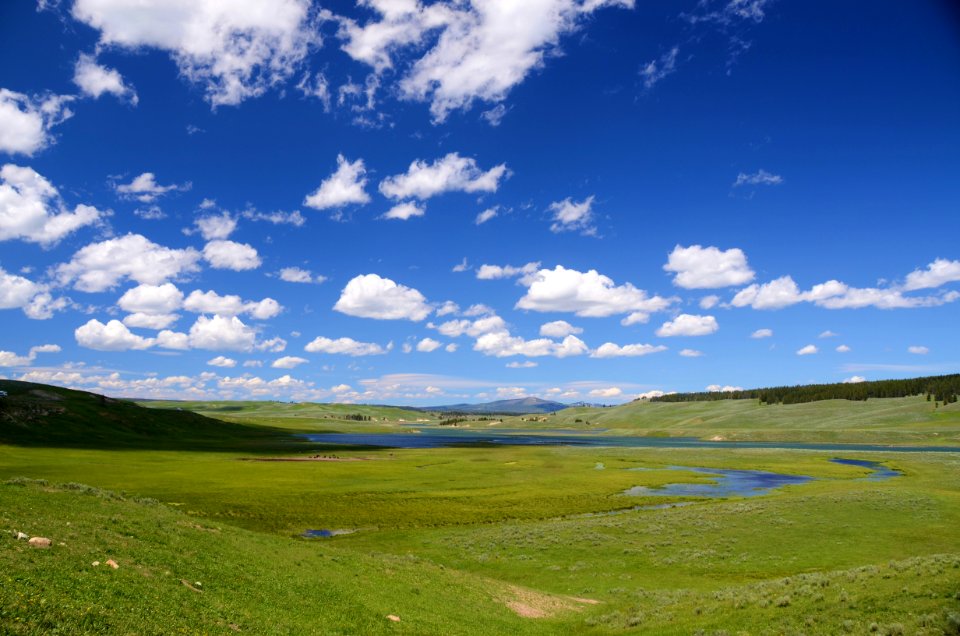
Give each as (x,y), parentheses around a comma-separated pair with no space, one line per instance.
(939,388)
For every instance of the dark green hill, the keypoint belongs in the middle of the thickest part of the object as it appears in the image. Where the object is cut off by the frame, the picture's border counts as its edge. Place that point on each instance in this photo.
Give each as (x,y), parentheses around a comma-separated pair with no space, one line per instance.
(42,415)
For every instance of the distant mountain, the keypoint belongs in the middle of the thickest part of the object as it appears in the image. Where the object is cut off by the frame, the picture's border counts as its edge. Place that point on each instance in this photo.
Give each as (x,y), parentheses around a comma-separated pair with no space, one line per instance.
(513,407)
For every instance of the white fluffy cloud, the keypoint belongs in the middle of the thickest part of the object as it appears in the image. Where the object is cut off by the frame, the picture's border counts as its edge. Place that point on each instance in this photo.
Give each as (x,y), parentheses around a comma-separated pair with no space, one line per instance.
(699,267)
(570,216)
(472,328)
(939,272)
(609,392)
(918,350)
(451,173)
(405,211)
(492,272)
(344,346)
(210,302)
(716,388)
(611,350)
(216,226)
(300,275)
(25,122)
(691,353)
(371,296)
(235,50)
(223,362)
(231,255)
(843,349)
(220,333)
(150,321)
(688,325)
(589,294)
(480,52)
(113,336)
(501,344)
(10,359)
(760,177)
(344,187)
(855,379)
(144,188)
(31,208)
(808,350)
(428,344)
(94,80)
(559,329)
(288,362)
(151,299)
(101,266)
(762,333)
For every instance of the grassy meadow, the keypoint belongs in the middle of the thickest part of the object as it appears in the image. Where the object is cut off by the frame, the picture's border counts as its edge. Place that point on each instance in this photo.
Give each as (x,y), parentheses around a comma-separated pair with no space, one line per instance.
(502,539)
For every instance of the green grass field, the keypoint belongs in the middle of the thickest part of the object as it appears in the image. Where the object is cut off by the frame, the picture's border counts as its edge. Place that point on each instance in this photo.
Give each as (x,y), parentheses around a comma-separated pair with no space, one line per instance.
(498,540)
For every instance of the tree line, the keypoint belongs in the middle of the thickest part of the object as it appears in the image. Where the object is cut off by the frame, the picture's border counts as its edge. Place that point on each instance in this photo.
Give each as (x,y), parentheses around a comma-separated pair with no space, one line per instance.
(939,388)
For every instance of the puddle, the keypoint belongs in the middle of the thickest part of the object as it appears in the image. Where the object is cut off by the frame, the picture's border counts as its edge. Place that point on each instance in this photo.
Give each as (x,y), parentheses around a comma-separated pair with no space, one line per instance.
(724,482)
(324,533)
(880,472)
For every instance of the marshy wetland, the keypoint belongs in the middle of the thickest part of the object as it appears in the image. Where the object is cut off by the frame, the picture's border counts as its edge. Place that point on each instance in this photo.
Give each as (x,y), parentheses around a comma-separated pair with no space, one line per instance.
(480,539)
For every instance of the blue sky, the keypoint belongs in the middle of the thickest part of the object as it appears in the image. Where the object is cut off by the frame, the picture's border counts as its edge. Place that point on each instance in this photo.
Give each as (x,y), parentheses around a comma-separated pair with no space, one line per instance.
(425,203)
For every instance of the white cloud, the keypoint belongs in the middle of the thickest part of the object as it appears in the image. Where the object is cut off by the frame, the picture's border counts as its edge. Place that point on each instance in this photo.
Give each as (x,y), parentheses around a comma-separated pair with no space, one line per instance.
(288,362)
(656,70)
(709,302)
(451,348)
(688,325)
(405,211)
(486,215)
(691,353)
(526,364)
(833,294)
(252,363)
(277,218)
(371,296)
(113,336)
(94,80)
(344,346)
(474,328)
(652,394)
(828,334)
(451,173)
(479,51)
(167,339)
(558,329)
(273,345)
(222,361)
(716,388)
(939,272)
(569,216)
(231,255)
(760,177)
(843,349)
(609,392)
(807,350)
(235,50)
(762,333)
(221,333)
(501,344)
(10,359)
(344,187)
(588,294)
(31,208)
(491,272)
(101,266)
(25,122)
(152,299)
(145,188)
(855,379)
(699,267)
(428,344)
(611,350)
(152,213)
(462,266)
(918,350)
(210,302)
(299,275)
(150,321)
(217,226)
(447,308)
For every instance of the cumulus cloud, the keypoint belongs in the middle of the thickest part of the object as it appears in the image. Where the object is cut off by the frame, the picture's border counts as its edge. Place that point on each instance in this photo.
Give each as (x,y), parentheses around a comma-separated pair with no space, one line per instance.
(609,392)
(428,344)
(472,328)
(344,187)
(216,226)
(698,267)
(451,173)
(221,333)
(151,299)
(491,272)
(231,255)
(25,122)
(691,353)
(102,266)
(300,275)
(688,325)
(210,302)
(807,350)
(144,188)
(526,364)
(843,349)
(939,272)
(113,336)
(222,361)
(31,208)
(918,350)
(11,359)
(344,346)
(277,218)
(716,388)
(571,216)
(588,294)
(559,329)
(762,333)
(234,50)
(760,177)
(288,362)
(827,334)
(611,350)
(405,211)
(371,296)
(709,302)
(479,51)
(501,344)
(94,80)
(150,321)
(855,379)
